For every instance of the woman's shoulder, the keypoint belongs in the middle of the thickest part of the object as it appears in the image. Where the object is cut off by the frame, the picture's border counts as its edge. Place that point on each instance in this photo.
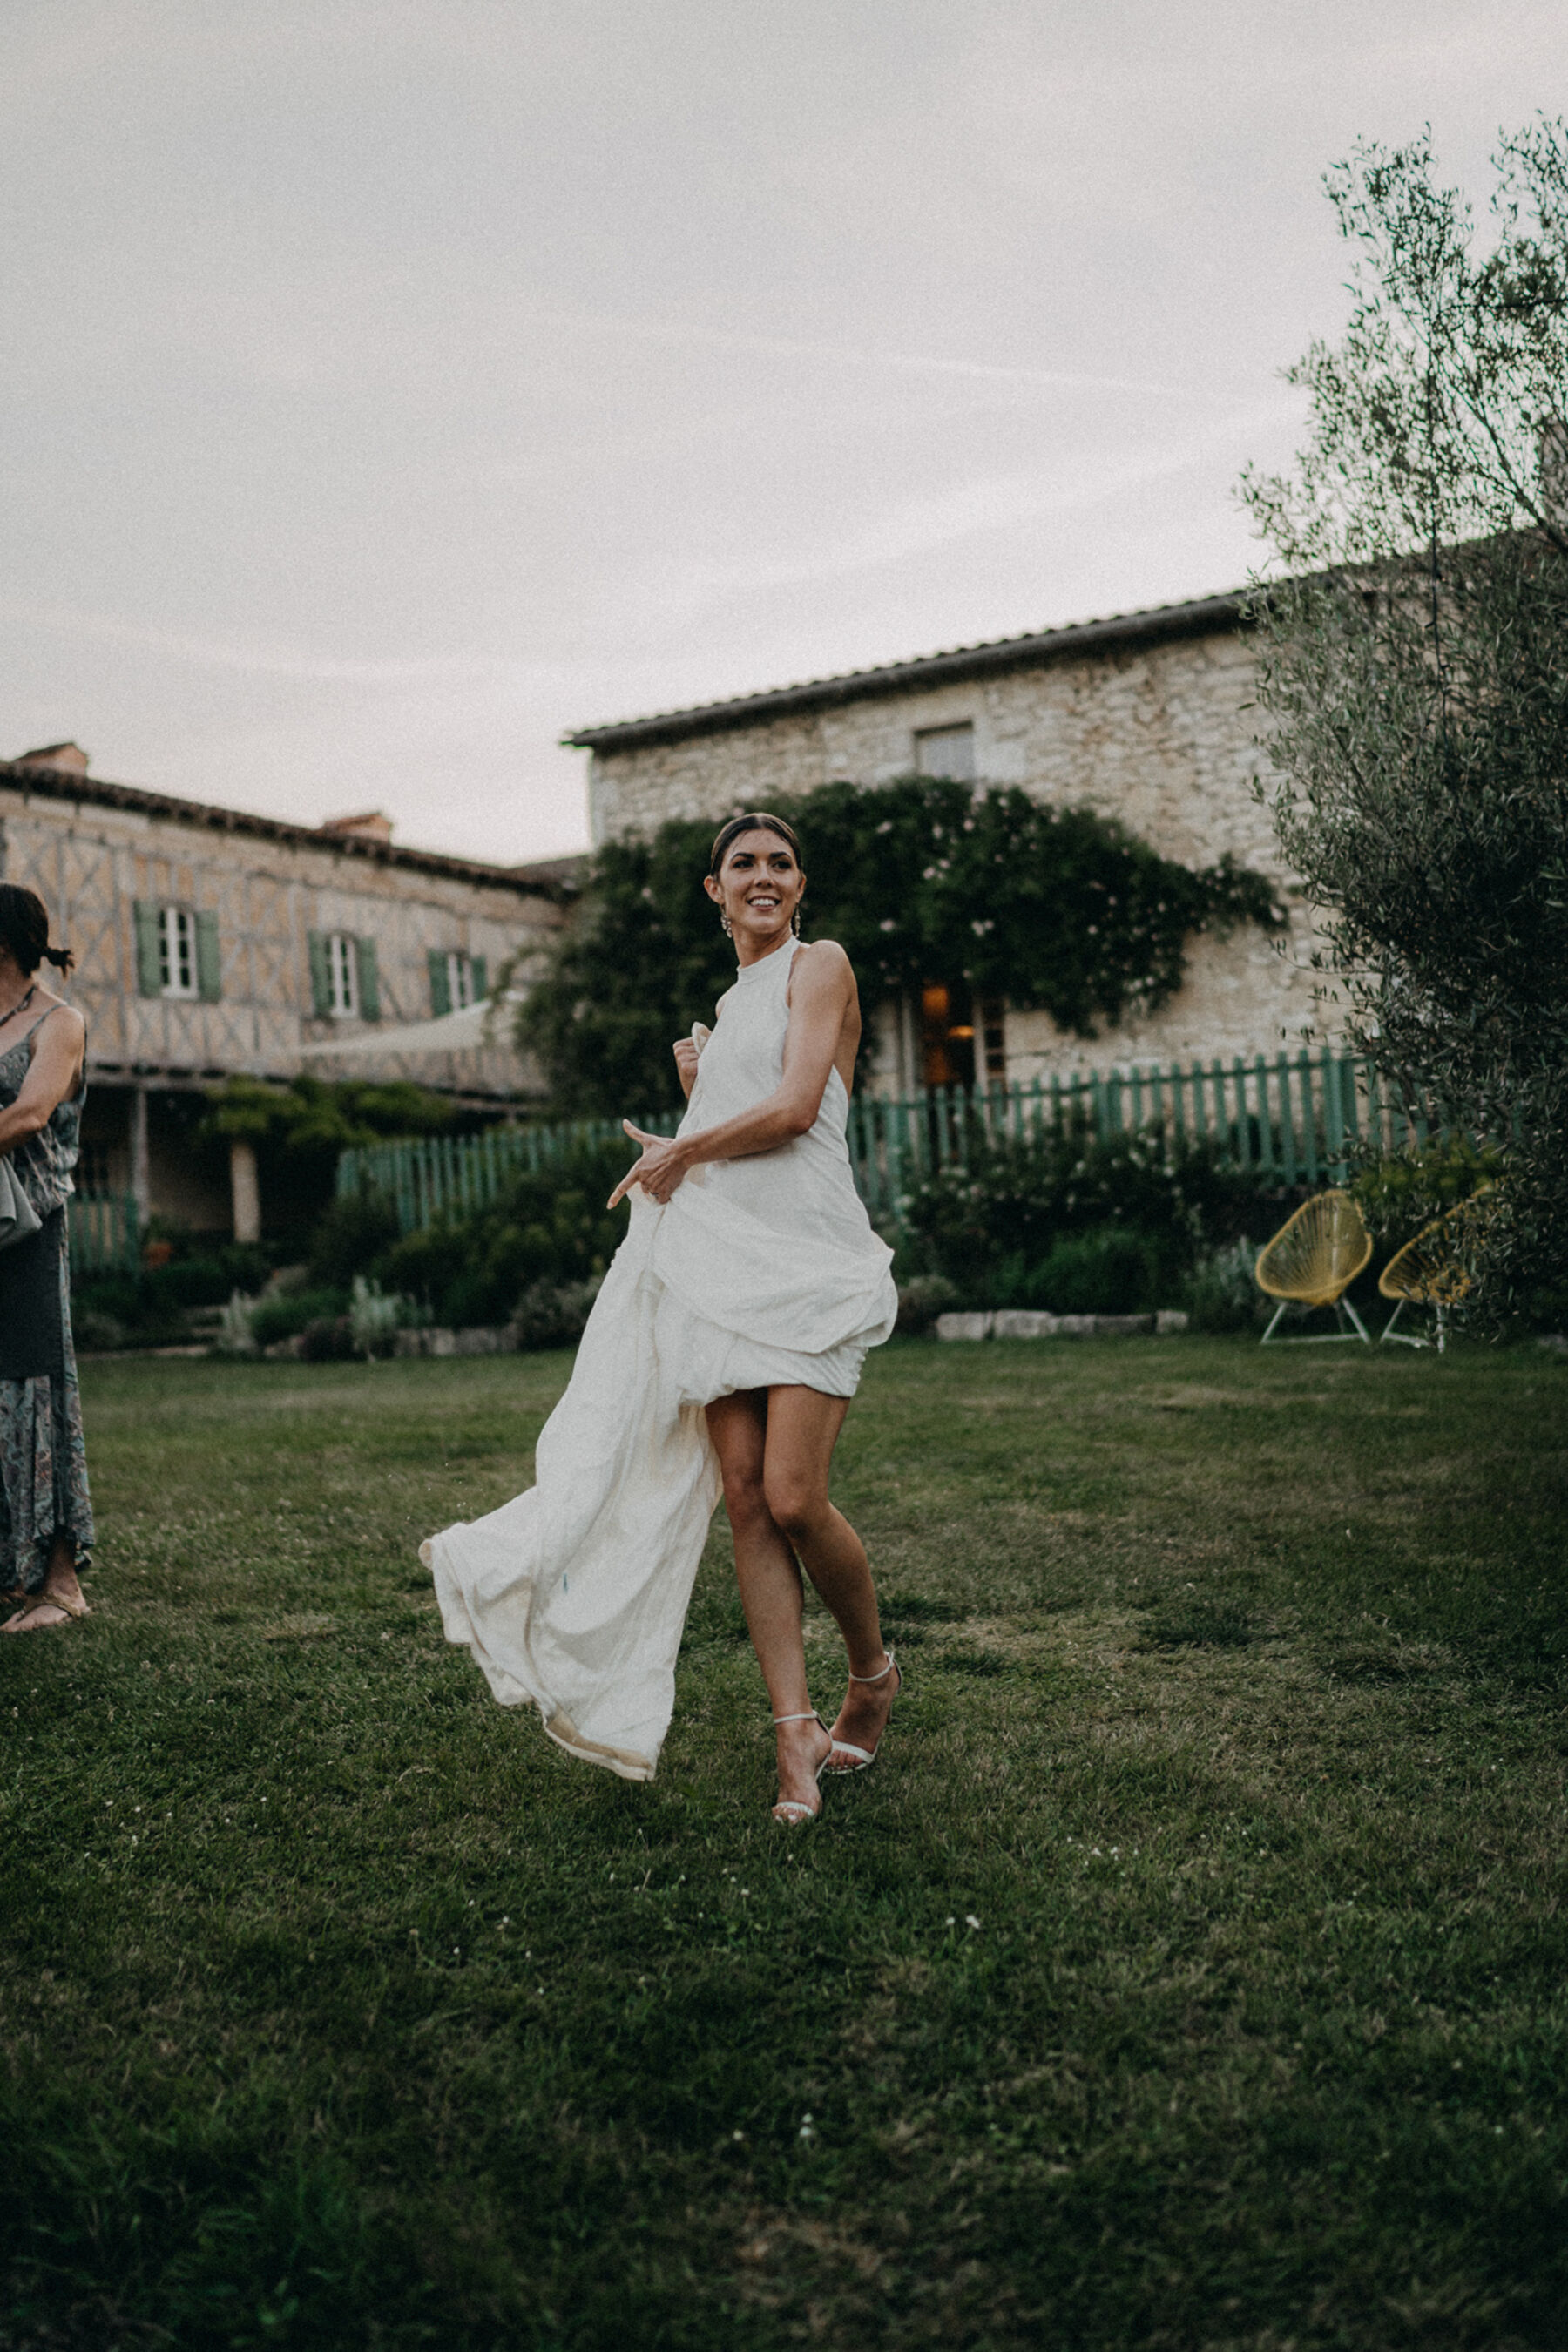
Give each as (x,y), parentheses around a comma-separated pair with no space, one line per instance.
(54,1006)
(825,957)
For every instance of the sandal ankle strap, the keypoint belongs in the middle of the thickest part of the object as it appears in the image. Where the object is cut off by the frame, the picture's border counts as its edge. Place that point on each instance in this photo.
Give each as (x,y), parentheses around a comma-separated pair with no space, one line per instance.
(810,1716)
(881,1677)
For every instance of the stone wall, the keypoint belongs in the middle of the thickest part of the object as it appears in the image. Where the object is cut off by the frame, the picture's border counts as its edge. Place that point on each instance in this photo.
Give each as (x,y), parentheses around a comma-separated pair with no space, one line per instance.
(1159,735)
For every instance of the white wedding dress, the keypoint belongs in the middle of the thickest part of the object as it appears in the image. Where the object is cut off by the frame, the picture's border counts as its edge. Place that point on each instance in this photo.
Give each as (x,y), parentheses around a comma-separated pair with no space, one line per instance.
(759,1272)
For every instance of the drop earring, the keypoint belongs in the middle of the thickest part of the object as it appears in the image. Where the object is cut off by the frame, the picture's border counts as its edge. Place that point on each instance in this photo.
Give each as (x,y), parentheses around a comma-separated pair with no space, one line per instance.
(727,927)
(795,919)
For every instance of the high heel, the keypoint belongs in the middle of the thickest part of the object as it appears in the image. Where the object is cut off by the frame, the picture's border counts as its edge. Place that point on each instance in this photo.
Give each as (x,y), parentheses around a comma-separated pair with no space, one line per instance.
(864,1757)
(793,1811)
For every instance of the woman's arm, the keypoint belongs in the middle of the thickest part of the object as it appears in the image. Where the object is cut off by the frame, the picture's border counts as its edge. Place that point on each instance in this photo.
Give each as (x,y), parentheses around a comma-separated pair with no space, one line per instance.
(821,987)
(51,1076)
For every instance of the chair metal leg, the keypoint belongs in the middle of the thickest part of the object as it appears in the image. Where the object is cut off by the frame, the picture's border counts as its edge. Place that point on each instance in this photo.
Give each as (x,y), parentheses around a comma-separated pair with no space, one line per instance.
(1318,1338)
(1342,1306)
(1403,1339)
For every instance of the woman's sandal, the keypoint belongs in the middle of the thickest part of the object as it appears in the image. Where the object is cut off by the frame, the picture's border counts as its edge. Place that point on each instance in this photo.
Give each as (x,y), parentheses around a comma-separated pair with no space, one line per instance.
(31,1601)
(792,1810)
(864,1757)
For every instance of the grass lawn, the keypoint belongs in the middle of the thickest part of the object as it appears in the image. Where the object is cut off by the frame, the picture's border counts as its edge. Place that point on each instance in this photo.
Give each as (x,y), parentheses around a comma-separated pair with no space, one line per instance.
(1192,1971)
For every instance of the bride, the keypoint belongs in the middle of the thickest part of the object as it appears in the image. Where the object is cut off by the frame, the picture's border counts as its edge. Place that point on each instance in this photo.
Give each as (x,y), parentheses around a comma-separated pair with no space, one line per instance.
(721,1354)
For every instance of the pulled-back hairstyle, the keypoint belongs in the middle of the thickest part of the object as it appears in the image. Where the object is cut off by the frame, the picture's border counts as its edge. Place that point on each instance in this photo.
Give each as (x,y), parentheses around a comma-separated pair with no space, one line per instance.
(24,930)
(753,821)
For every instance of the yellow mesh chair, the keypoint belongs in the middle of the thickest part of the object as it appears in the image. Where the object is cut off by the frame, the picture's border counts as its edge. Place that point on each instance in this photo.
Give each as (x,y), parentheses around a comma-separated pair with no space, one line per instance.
(1430,1271)
(1312,1261)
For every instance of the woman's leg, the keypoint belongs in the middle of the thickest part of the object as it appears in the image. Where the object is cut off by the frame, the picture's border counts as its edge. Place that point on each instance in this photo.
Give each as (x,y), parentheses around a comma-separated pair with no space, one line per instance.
(802,1431)
(769,1578)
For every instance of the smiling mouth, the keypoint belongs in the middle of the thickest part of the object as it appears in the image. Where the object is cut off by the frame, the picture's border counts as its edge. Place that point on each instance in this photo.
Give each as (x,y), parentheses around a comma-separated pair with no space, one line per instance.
(764,898)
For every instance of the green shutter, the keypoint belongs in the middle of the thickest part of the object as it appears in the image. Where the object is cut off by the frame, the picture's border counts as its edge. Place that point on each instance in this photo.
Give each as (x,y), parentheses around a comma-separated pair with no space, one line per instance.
(209,960)
(149,971)
(440,986)
(477,966)
(369,985)
(321,978)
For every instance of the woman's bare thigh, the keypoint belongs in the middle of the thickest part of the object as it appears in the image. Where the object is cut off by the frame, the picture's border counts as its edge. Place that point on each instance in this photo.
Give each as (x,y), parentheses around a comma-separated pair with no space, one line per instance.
(802,1431)
(737,1425)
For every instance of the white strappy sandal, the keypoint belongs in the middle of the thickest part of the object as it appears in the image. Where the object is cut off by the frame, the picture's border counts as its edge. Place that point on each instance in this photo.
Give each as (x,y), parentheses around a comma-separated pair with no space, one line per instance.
(864,1757)
(792,1810)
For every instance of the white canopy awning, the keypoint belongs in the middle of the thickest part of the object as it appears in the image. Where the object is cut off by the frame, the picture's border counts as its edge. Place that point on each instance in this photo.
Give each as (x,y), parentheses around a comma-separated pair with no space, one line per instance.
(466,1032)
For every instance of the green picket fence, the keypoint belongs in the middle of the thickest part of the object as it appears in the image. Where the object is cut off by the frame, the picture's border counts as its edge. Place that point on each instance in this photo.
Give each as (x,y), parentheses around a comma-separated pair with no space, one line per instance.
(104,1233)
(1294,1117)
(450,1176)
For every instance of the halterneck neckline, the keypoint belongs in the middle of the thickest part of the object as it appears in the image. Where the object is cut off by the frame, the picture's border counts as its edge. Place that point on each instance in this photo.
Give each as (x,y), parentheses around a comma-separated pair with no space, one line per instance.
(748,973)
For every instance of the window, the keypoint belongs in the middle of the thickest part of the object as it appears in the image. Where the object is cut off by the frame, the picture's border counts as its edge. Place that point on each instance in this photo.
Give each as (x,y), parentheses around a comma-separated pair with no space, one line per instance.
(344,985)
(178,953)
(947,1036)
(994,1035)
(342,976)
(456,980)
(946,751)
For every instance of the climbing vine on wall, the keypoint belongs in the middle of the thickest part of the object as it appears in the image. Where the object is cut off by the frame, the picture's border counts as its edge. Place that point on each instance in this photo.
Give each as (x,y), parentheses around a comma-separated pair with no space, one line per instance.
(922,881)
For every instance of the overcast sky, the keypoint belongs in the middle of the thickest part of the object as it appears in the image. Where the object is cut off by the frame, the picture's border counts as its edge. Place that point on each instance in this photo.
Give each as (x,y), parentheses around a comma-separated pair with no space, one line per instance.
(392,384)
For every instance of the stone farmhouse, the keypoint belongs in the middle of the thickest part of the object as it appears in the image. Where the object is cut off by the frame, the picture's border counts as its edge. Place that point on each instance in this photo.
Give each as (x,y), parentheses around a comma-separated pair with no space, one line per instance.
(210,942)
(1145,717)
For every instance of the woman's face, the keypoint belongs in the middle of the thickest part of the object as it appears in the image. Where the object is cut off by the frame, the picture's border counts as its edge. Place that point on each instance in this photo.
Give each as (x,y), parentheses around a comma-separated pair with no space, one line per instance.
(759,886)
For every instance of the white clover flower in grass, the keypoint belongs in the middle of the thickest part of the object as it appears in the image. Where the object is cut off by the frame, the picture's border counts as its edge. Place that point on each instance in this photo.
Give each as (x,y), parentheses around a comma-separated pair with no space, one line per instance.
(970,1920)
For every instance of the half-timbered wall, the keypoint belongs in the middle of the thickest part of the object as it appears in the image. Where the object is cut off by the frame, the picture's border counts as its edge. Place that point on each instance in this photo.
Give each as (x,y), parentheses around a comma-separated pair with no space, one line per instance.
(94,864)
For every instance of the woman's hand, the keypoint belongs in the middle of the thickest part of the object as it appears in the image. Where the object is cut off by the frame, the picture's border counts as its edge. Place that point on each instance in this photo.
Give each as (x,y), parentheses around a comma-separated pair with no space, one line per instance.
(688,1052)
(661,1169)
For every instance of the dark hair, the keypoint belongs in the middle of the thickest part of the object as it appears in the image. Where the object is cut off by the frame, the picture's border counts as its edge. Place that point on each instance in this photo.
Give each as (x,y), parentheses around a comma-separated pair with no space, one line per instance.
(24,930)
(753,821)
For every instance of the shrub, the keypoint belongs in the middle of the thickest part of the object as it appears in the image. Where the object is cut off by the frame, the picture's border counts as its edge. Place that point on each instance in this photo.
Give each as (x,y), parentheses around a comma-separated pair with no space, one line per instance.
(236,1331)
(96,1332)
(374,1317)
(990,1228)
(282,1317)
(328,1340)
(1399,1195)
(555,1314)
(549,1227)
(920,1300)
(1111,1272)
(351,1238)
(1222,1292)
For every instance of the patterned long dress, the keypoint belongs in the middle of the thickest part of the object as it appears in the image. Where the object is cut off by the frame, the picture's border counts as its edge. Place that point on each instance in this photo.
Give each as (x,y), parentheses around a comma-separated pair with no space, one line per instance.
(43,1461)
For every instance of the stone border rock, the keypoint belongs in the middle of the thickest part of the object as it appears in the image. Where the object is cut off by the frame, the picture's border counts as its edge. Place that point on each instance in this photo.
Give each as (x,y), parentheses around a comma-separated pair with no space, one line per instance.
(475,1340)
(435,1339)
(1029,1323)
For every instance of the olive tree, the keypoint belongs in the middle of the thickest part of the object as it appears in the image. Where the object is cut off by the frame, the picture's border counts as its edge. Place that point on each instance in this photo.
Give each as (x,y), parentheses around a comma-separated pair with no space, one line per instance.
(1414,666)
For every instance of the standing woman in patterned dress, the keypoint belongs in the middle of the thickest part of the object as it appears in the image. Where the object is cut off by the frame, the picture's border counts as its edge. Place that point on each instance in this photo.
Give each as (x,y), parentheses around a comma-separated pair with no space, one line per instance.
(46,1516)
